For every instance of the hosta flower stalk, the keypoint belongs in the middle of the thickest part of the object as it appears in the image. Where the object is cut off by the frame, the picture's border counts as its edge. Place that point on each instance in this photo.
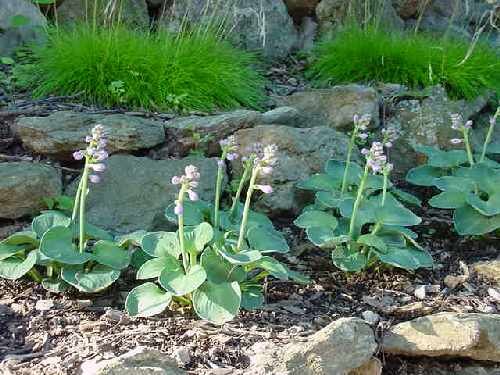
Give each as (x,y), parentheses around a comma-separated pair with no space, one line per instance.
(493,121)
(94,155)
(229,149)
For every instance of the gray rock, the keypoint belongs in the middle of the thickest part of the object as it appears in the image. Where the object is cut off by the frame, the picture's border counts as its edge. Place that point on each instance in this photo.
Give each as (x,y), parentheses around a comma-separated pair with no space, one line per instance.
(135,191)
(281,116)
(488,270)
(339,348)
(426,120)
(180,131)
(20,21)
(131,12)
(61,133)
(302,152)
(263,26)
(23,185)
(334,13)
(139,361)
(475,336)
(333,107)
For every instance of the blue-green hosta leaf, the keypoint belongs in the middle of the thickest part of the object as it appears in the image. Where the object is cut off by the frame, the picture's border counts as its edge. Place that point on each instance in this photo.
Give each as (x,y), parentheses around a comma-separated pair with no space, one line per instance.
(57,244)
(267,241)
(311,219)
(469,221)
(201,235)
(489,207)
(111,255)
(372,240)
(139,257)
(443,159)
(193,213)
(55,285)
(14,268)
(366,211)
(255,219)
(131,239)
(45,221)
(448,200)
(408,258)
(424,175)
(95,233)
(349,261)
(299,277)
(179,283)
(17,242)
(330,199)
(494,148)
(320,235)
(93,281)
(455,183)
(147,300)
(394,213)
(152,268)
(219,270)
(241,258)
(335,241)
(158,244)
(406,197)
(217,303)
(336,169)
(273,266)
(252,298)
(320,182)
(487,179)
(376,182)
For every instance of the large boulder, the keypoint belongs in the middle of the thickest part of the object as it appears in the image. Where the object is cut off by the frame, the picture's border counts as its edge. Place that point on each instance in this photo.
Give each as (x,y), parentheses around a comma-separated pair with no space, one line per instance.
(334,107)
(135,191)
(23,186)
(263,26)
(61,133)
(489,270)
(302,152)
(183,133)
(139,361)
(20,22)
(332,14)
(131,12)
(474,336)
(340,348)
(426,120)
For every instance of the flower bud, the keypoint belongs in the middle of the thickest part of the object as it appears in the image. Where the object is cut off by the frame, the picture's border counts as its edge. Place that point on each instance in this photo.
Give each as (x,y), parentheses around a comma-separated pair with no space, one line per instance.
(176,180)
(99,167)
(193,195)
(178,209)
(455,141)
(266,189)
(78,155)
(95,179)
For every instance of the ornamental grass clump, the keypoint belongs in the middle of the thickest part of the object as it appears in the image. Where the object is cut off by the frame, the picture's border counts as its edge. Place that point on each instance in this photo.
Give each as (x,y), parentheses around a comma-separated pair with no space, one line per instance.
(373,54)
(469,181)
(72,251)
(357,213)
(116,66)
(216,260)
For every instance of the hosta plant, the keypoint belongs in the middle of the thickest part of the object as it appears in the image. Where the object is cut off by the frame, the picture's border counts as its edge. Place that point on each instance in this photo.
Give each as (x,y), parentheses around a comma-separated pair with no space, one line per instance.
(71,251)
(357,212)
(469,181)
(217,259)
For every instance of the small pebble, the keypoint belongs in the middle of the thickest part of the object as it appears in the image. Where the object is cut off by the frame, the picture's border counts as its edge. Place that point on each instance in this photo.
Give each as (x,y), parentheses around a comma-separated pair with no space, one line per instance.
(44,305)
(370,317)
(182,355)
(495,294)
(420,292)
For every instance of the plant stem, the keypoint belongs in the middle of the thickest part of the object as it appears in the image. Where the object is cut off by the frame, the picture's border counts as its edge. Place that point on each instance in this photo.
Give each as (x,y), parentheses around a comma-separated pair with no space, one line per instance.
(218,188)
(246,209)
(357,202)
(468,148)
(33,273)
(236,198)
(76,202)
(83,196)
(489,134)
(185,261)
(50,270)
(384,187)
(348,161)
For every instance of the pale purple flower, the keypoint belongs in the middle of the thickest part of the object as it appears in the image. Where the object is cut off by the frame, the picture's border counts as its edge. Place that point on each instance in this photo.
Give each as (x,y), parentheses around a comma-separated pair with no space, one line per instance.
(266,189)
(191,172)
(363,136)
(456,121)
(375,158)
(468,125)
(389,136)
(176,180)
(267,170)
(193,195)
(361,123)
(455,141)
(101,155)
(229,148)
(78,155)
(99,167)
(95,179)
(220,162)
(232,156)
(178,209)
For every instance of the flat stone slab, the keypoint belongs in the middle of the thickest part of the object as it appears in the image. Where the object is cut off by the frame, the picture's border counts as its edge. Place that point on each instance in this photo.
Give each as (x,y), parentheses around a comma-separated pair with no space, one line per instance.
(61,133)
